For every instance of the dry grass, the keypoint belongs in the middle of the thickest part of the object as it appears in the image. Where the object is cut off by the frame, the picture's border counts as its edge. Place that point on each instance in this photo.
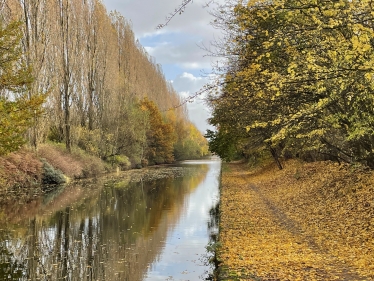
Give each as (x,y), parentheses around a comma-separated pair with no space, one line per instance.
(74,165)
(21,169)
(60,160)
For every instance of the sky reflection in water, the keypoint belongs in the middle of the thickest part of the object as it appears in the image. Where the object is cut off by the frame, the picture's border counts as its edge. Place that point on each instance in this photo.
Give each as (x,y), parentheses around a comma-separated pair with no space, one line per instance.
(113,231)
(182,258)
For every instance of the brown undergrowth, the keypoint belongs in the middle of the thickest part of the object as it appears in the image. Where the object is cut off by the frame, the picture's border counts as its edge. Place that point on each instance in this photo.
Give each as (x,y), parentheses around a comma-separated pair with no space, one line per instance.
(22,171)
(309,221)
(76,164)
(19,169)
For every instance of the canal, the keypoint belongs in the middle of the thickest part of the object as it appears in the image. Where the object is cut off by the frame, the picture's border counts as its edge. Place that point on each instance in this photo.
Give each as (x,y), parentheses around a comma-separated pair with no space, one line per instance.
(115,228)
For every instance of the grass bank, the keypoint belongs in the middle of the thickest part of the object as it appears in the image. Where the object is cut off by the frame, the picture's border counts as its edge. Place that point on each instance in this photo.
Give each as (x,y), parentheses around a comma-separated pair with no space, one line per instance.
(309,221)
(23,171)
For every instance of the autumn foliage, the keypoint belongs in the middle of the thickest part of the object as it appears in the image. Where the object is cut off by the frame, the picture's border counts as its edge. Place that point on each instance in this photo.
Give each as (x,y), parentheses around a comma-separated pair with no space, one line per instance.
(96,74)
(297,79)
(160,135)
(310,221)
(17,108)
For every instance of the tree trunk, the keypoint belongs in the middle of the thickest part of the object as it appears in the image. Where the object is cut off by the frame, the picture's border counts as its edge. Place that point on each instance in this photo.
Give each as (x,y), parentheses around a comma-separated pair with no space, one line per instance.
(275,156)
(67,123)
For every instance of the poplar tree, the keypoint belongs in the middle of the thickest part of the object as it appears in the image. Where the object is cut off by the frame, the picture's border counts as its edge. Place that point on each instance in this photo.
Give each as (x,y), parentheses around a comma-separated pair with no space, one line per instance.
(95,73)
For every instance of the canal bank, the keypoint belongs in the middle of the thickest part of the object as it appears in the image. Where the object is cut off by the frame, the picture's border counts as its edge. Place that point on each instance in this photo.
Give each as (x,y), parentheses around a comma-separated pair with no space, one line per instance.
(150,224)
(309,221)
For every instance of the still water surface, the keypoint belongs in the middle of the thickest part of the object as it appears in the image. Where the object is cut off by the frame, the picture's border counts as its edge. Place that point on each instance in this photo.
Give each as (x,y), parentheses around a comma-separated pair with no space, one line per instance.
(114,230)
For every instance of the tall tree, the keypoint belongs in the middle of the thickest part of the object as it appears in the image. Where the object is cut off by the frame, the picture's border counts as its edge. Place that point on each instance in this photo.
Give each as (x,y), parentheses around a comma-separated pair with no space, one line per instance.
(160,136)
(95,72)
(36,42)
(303,74)
(70,31)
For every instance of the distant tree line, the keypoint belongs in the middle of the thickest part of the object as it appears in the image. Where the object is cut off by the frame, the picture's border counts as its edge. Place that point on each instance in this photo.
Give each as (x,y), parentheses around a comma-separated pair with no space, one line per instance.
(297,80)
(71,72)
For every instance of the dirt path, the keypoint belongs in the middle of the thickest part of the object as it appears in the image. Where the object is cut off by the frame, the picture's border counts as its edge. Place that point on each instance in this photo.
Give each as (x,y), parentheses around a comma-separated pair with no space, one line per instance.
(261,242)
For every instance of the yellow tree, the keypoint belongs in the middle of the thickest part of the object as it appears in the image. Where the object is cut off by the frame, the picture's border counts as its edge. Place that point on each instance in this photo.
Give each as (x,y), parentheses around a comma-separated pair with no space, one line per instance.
(17,109)
(160,136)
(302,75)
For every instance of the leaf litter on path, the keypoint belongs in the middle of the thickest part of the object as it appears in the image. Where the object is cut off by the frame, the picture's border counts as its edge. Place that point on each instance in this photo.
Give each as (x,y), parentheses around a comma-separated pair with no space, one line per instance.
(310,221)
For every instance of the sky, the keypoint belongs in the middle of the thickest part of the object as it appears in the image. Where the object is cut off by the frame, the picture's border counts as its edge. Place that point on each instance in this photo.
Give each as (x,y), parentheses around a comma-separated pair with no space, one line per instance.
(178,47)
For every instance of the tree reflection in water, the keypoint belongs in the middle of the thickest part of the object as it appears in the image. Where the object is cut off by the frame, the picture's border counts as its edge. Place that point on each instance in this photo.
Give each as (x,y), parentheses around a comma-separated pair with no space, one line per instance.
(112,232)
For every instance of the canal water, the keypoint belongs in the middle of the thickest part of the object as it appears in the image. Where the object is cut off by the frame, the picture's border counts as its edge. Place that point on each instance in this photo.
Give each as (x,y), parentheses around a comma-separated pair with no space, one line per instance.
(115,229)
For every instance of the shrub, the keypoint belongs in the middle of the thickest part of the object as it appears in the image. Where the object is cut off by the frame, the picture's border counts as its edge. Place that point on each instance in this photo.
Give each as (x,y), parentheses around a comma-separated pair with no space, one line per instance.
(122,161)
(21,169)
(88,140)
(55,134)
(77,164)
(144,162)
(51,175)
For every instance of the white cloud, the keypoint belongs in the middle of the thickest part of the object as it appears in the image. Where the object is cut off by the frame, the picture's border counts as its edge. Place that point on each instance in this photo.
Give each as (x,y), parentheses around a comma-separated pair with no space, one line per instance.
(193,65)
(186,33)
(184,54)
(177,46)
(187,85)
(145,15)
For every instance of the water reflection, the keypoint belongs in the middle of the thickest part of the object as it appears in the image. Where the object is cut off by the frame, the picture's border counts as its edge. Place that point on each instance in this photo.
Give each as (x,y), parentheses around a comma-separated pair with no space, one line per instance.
(121,231)
(183,256)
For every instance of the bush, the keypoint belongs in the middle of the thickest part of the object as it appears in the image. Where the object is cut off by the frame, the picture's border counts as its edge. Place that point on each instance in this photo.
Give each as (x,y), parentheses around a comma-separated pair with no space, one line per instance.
(121,161)
(55,134)
(51,175)
(144,162)
(88,140)
(77,164)
(21,169)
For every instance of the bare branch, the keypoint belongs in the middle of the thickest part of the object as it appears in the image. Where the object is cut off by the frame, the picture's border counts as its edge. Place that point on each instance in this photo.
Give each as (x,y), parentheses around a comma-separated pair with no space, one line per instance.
(208,88)
(178,11)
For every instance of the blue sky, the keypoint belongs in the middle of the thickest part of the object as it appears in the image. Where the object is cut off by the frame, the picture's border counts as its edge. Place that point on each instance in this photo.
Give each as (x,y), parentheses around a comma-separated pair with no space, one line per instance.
(176,47)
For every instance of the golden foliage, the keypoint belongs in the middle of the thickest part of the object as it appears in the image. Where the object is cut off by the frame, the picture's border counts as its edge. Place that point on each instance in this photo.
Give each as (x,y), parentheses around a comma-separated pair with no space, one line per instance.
(299,76)
(307,222)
